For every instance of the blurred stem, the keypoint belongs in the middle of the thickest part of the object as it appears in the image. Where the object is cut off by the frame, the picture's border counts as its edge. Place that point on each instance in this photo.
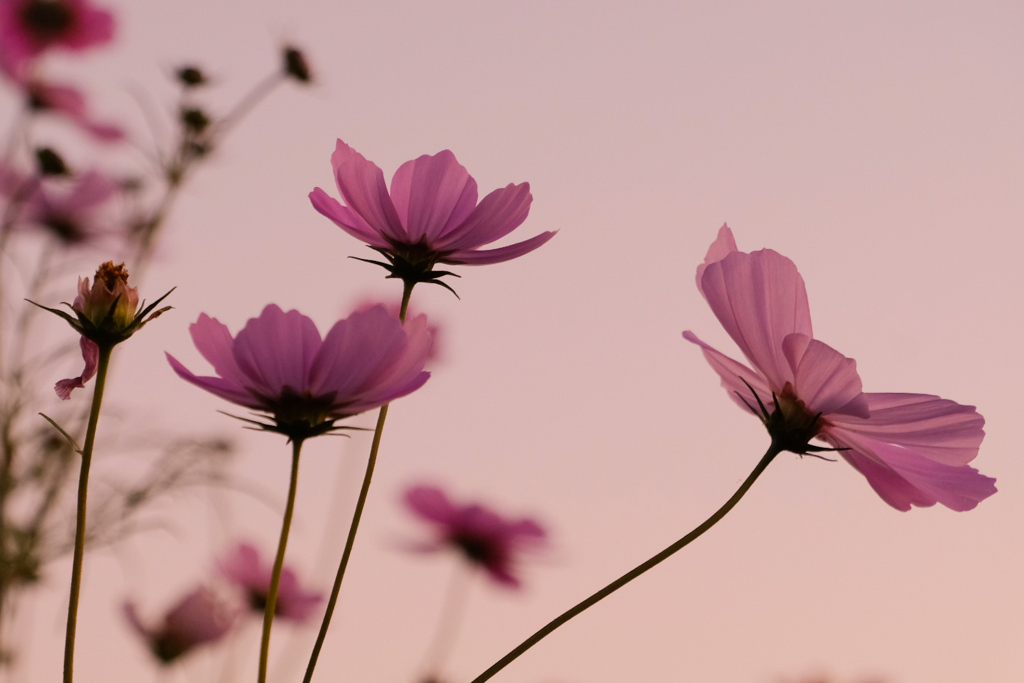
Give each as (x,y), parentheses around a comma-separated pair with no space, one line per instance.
(618,583)
(275,578)
(356,515)
(83,487)
(452,612)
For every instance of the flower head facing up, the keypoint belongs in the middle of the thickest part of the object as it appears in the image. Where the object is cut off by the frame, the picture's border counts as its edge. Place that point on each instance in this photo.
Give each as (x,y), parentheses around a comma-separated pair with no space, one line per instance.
(199,618)
(279,365)
(484,538)
(244,568)
(30,27)
(912,448)
(430,216)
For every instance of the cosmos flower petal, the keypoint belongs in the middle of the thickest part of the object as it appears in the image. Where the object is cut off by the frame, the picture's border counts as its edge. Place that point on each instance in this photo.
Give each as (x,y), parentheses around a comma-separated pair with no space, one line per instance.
(214,342)
(483,257)
(91,356)
(362,185)
(218,386)
(824,379)
(498,214)
(432,195)
(345,218)
(278,348)
(723,245)
(732,374)
(430,502)
(760,299)
(904,477)
(941,430)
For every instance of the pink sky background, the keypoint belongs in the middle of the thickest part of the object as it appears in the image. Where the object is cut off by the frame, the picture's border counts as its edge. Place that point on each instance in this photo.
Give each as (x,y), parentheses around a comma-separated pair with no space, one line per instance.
(878,145)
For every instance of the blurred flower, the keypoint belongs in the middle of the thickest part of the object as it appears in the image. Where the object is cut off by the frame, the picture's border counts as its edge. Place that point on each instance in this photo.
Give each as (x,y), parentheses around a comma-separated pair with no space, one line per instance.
(30,27)
(71,209)
(431,215)
(244,569)
(199,618)
(69,102)
(481,535)
(912,448)
(279,365)
(295,64)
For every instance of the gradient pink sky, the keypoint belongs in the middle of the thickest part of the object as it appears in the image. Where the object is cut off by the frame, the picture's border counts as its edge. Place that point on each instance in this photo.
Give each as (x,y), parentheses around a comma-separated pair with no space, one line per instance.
(878,145)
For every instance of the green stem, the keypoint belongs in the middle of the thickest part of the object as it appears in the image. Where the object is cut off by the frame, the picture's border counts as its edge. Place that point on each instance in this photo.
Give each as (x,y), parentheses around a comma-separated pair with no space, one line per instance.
(83,487)
(356,516)
(275,578)
(618,583)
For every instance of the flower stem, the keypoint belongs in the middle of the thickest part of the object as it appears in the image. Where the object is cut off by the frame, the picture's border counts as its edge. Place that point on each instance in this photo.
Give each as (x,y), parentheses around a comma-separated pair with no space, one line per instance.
(618,583)
(275,577)
(83,487)
(356,515)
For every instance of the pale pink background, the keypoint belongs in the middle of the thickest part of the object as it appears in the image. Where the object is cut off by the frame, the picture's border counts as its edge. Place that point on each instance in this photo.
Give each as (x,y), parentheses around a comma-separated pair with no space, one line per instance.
(879,145)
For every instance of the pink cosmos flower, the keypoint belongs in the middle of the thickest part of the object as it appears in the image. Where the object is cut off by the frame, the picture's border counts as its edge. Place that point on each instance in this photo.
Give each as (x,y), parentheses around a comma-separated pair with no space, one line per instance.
(482,536)
(430,216)
(912,448)
(199,618)
(436,345)
(279,365)
(244,568)
(30,27)
(73,210)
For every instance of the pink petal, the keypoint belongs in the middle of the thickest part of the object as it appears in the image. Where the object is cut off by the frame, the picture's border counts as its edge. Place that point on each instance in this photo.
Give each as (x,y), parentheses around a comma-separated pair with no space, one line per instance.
(346,219)
(214,342)
(91,355)
(475,257)
(431,503)
(760,299)
(905,478)
(277,349)
(500,212)
(217,386)
(362,186)
(432,195)
(824,379)
(938,429)
(731,372)
(723,245)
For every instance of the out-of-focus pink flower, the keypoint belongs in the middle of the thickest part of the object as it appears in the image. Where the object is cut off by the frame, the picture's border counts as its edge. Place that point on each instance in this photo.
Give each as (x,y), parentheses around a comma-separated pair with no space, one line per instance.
(912,448)
(244,568)
(482,536)
(69,102)
(279,365)
(199,618)
(30,27)
(430,216)
(73,210)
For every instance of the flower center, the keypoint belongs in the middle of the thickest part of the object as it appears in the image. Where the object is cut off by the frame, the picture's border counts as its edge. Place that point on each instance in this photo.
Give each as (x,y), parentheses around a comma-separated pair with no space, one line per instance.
(46,20)
(791,424)
(109,274)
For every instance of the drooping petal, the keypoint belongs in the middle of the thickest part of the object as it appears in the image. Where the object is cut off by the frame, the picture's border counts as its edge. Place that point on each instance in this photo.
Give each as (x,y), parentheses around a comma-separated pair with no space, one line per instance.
(498,214)
(904,477)
(732,374)
(824,379)
(760,299)
(362,185)
(229,391)
(277,349)
(91,356)
(478,257)
(723,245)
(346,219)
(937,428)
(433,195)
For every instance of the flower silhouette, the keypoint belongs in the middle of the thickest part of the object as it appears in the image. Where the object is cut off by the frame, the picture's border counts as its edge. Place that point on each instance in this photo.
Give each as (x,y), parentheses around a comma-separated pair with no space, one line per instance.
(483,537)
(912,448)
(279,365)
(430,216)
